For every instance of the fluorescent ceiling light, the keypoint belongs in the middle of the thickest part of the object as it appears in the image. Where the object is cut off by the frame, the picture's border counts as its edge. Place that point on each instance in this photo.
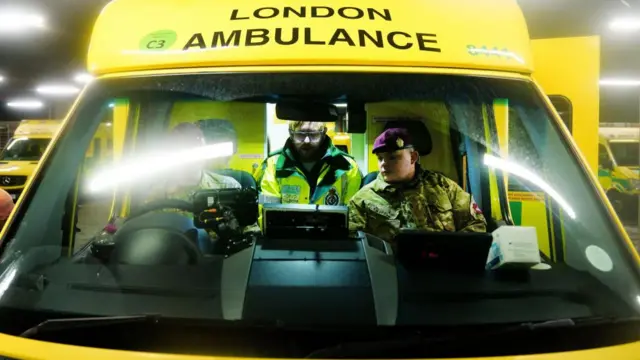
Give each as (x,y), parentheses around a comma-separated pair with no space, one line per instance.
(1,79)
(25,104)
(57,90)
(620,82)
(11,22)
(625,25)
(83,78)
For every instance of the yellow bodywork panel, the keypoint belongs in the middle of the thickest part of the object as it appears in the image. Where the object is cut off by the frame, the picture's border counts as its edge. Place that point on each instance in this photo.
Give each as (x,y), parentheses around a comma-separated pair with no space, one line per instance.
(571,67)
(22,348)
(406,33)
(120,117)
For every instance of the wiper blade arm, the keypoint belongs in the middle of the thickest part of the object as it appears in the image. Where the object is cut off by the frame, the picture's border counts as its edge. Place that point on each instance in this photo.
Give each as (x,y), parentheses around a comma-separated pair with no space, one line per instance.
(77,323)
(367,348)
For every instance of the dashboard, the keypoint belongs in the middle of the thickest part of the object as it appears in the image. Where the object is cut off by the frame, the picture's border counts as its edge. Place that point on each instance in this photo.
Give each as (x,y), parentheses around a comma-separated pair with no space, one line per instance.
(351,281)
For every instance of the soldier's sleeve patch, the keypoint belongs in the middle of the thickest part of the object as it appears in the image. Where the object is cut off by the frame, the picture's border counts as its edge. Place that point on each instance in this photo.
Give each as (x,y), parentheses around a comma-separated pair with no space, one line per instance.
(474,208)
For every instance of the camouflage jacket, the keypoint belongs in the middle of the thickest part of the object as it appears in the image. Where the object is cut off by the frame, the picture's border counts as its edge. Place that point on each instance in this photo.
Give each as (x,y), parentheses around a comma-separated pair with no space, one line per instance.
(429,202)
(209,180)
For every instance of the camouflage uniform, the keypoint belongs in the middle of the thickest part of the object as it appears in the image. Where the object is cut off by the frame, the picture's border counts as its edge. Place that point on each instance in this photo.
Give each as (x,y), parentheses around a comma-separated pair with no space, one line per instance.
(209,180)
(429,202)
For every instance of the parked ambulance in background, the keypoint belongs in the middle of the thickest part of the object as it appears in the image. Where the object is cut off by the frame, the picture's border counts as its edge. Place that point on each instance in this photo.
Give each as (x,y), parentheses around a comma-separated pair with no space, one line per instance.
(618,165)
(624,142)
(23,152)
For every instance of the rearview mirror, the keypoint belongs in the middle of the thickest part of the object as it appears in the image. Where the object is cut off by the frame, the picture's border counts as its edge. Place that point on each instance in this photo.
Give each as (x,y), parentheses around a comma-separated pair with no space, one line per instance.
(307,111)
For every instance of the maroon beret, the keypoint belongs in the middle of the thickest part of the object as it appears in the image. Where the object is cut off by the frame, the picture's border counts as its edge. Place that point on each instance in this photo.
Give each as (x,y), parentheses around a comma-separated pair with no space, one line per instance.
(392,139)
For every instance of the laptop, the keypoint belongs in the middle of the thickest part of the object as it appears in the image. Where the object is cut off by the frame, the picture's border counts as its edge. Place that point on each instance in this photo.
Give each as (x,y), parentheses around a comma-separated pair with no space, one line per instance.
(450,251)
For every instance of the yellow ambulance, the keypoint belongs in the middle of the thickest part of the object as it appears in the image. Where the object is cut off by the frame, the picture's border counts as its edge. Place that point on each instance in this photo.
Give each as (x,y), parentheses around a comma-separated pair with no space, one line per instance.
(186,85)
(23,152)
(624,143)
(618,164)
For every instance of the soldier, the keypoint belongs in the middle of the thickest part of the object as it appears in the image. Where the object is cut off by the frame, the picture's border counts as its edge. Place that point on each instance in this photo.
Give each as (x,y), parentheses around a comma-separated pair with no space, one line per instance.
(406,196)
(309,169)
(183,183)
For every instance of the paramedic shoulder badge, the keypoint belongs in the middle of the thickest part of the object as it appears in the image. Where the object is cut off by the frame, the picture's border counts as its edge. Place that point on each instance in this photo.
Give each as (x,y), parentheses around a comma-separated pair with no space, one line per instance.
(332,198)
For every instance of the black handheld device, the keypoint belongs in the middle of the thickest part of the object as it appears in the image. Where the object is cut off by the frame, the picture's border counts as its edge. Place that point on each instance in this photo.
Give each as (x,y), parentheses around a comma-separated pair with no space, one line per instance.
(209,206)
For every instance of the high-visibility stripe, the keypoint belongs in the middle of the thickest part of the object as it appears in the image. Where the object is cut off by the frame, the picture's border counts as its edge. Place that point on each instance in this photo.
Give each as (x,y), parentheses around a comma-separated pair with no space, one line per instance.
(266,199)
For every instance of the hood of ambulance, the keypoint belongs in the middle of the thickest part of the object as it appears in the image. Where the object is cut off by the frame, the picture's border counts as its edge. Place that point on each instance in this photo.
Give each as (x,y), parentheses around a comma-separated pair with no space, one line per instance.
(635,170)
(626,172)
(21,348)
(17,168)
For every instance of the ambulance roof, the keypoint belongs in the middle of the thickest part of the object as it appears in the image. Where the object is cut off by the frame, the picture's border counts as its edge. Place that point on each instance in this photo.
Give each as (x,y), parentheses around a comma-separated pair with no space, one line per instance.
(37,128)
(132,35)
(621,133)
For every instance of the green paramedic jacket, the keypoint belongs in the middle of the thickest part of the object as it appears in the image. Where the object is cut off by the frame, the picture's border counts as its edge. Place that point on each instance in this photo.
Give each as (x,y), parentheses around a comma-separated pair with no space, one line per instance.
(282,179)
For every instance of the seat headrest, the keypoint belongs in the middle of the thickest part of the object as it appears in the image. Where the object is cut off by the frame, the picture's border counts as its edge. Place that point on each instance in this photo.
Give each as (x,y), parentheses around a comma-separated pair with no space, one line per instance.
(245,179)
(369,178)
(419,133)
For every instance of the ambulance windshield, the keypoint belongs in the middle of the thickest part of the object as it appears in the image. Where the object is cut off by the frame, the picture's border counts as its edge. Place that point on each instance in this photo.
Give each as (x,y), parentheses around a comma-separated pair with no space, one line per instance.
(149,203)
(24,149)
(626,153)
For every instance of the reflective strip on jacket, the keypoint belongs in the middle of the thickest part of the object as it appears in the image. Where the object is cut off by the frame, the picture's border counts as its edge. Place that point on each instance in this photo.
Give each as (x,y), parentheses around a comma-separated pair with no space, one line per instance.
(282,180)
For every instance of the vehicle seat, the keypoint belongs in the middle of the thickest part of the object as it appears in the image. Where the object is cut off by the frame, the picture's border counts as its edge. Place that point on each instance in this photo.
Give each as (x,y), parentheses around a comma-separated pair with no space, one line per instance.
(370,177)
(245,179)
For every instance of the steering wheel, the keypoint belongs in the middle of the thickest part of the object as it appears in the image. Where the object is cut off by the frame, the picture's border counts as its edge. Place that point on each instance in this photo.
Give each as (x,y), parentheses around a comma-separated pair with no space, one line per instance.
(160,205)
(159,238)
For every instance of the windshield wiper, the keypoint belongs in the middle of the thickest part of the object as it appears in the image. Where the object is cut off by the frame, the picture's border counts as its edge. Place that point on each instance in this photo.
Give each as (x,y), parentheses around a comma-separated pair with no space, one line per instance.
(62,324)
(87,322)
(379,347)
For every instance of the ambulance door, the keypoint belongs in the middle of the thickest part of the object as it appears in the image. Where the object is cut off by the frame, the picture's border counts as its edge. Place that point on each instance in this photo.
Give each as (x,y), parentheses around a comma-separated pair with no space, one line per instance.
(568,70)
